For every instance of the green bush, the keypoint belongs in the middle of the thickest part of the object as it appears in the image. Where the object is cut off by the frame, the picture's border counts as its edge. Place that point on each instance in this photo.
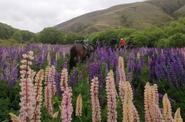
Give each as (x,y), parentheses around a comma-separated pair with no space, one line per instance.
(139,39)
(71,37)
(162,43)
(6,31)
(51,35)
(23,36)
(177,40)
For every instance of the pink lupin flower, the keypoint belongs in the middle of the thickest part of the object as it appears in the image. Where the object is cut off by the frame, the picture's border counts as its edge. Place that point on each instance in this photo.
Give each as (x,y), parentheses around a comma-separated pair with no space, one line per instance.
(96,113)
(122,76)
(27,102)
(51,78)
(38,88)
(130,113)
(111,98)
(66,105)
(50,88)
(151,104)
(64,79)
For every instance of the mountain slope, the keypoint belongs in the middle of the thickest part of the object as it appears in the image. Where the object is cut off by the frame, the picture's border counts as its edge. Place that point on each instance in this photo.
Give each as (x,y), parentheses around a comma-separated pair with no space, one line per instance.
(169,6)
(180,12)
(135,15)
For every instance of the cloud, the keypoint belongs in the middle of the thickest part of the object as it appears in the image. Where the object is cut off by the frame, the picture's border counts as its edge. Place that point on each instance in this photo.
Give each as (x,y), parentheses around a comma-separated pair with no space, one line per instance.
(34,15)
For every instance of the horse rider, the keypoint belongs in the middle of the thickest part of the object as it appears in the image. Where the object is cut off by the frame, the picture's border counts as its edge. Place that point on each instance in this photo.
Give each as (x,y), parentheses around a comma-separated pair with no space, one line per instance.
(89,47)
(122,43)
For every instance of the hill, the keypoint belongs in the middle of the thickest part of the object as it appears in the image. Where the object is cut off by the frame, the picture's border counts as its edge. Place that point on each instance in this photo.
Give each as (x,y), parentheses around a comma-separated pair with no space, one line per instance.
(8,32)
(135,15)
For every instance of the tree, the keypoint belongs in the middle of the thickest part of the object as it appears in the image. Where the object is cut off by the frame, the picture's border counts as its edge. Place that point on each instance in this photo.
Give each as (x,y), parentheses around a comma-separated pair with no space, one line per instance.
(6,31)
(177,40)
(139,39)
(154,34)
(162,43)
(71,37)
(125,32)
(51,35)
(23,36)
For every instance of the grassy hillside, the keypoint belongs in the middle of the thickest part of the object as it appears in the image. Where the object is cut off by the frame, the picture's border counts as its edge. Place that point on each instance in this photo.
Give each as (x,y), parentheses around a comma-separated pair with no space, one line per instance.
(136,15)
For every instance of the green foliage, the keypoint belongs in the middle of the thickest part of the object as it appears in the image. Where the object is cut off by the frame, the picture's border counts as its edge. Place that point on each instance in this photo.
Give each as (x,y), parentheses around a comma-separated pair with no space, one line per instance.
(48,35)
(147,37)
(111,33)
(175,27)
(23,36)
(83,88)
(54,36)
(7,34)
(51,35)
(162,43)
(9,100)
(177,40)
(6,31)
(170,35)
(139,39)
(71,37)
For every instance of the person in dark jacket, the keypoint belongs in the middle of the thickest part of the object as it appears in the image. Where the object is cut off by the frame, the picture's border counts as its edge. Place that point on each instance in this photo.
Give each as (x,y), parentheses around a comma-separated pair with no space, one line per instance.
(114,43)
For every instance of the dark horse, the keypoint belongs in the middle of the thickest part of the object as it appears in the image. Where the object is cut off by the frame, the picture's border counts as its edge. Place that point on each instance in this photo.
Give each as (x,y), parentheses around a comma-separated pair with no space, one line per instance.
(79,53)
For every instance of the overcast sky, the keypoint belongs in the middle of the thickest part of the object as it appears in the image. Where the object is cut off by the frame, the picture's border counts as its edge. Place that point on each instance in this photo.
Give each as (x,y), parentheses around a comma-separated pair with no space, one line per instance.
(34,15)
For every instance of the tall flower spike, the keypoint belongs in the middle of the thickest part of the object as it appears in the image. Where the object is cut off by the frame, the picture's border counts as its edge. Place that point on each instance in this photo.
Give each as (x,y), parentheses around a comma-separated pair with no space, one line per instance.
(51,79)
(157,112)
(152,110)
(49,58)
(95,104)
(156,94)
(167,112)
(146,105)
(177,117)
(111,97)
(27,102)
(50,88)
(38,88)
(66,105)
(64,79)
(122,76)
(46,90)
(78,111)
(121,69)
(130,113)
(57,56)
(46,73)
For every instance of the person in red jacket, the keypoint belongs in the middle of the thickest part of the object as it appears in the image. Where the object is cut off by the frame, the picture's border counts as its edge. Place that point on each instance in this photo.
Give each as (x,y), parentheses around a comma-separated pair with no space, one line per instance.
(122,43)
